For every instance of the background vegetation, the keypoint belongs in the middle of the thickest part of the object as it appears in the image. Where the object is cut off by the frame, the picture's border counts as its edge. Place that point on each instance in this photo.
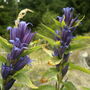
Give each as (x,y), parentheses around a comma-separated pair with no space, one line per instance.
(44,11)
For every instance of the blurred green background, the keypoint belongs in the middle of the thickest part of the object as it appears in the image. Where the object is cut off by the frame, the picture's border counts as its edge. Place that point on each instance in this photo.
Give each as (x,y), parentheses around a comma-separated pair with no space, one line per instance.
(44,11)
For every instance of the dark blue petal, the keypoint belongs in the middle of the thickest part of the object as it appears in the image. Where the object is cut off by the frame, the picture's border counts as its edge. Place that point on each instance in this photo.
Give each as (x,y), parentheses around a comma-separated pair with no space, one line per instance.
(6,70)
(22,62)
(59,18)
(15,53)
(28,37)
(64,70)
(9,84)
(68,12)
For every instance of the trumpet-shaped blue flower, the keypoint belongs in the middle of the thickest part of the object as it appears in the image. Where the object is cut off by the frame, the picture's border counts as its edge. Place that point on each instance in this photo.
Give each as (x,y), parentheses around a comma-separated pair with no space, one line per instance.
(22,62)
(6,70)
(20,37)
(65,37)
(68,17)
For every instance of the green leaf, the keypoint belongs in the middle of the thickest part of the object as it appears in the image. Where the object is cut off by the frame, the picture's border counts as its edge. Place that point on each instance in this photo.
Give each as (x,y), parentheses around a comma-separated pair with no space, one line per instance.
(76,46)
(46,87)
(69,86)
(77,23)
(0,81)
(50,74)
(85,88)
(57,22)
(51,30)
(24,79)
(81,38)
(50,41)
(5,44)
(3,59)
(76,67)
(27,52)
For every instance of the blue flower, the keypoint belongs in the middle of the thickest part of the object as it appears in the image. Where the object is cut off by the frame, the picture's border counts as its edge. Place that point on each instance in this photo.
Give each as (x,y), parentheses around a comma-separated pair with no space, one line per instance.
(9,84)
(21,34)
(68,17)
(22,62)
(6,70)
(20,37)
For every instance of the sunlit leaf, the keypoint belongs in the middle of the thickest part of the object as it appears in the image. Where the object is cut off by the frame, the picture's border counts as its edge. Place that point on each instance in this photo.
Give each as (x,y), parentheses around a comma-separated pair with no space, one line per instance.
(49,52)
(77,46)
(50,41)
(51,30)
(5,44)
(77,23)
(81,38)
(27,52)
(85,88)
(50,74)
(57,22)
(69,86)
(24,79)
(3,59)
(77,67)
(46,87)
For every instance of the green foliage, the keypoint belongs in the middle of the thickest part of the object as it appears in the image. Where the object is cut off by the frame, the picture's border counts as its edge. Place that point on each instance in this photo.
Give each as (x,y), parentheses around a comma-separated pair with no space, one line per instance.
(3,59)
(23,78)
(27,52)
(77,67)
(46,87)
(5,44)
(85,88)
(50,74)
(79,42)
(50,41)
(68,86)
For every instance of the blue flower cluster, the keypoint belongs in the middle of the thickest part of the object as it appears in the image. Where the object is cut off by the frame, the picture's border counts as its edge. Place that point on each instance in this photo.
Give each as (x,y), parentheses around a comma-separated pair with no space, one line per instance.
(20,37)
(66,35)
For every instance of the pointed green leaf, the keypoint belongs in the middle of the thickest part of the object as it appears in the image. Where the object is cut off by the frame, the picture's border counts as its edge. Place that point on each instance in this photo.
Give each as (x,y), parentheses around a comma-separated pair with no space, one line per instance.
(5,44)
(76,67)
(57,22)
(51,30)
(81,38)
(77,46)
(69,86)
(50,41)
(77,24)
(63,22)
(3,59)
(27,52)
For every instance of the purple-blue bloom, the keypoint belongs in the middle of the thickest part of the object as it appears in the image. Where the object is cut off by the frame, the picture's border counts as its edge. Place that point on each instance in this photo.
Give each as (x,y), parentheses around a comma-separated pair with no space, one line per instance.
(9,84)
(66,36)
(6,70)
(21,34)
(22,62)
(20,37)
(68,17)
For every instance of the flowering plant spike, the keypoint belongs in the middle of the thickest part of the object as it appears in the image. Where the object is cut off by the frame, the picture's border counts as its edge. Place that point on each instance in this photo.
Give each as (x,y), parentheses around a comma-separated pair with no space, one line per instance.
(66,36)
(20,38)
